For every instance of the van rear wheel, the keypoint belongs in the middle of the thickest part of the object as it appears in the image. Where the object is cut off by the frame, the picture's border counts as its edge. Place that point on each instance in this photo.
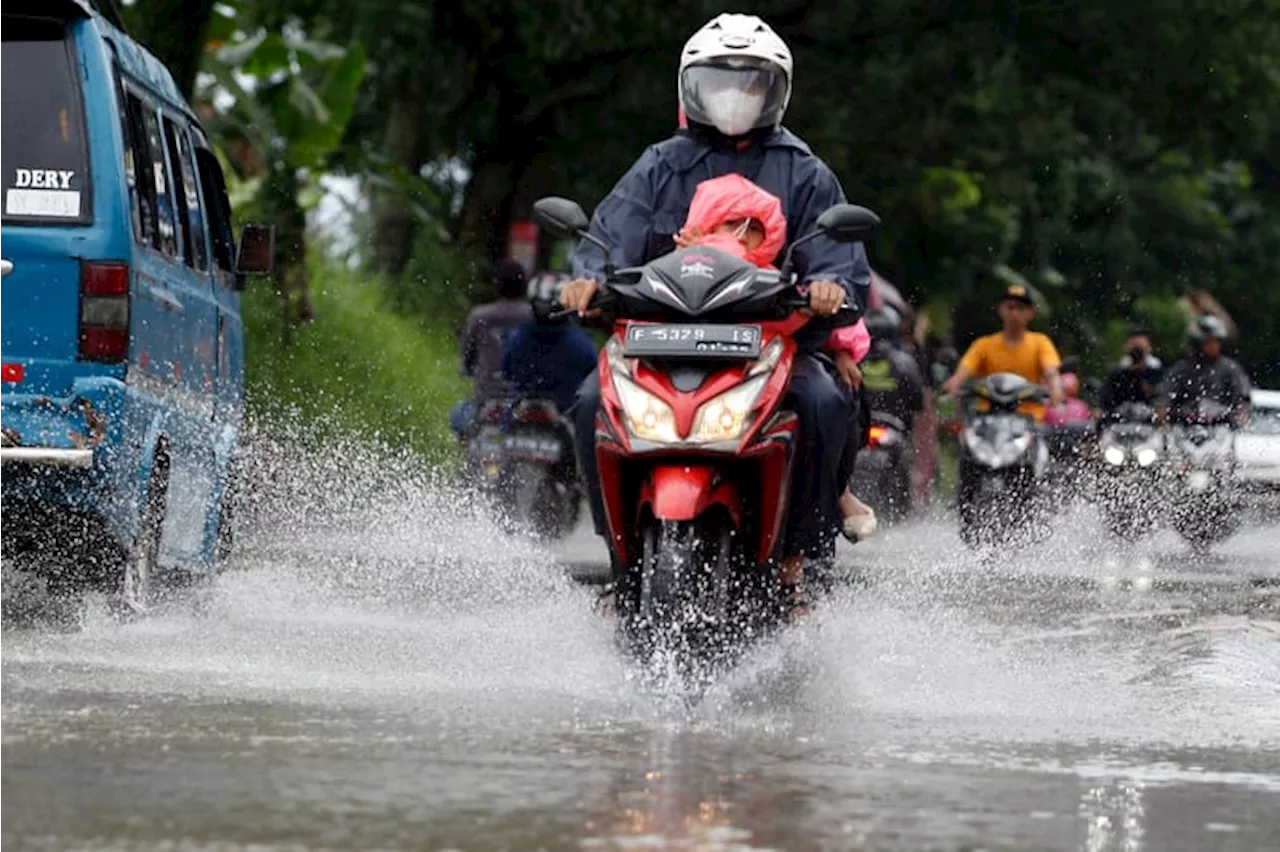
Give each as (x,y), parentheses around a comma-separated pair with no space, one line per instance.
(138,576)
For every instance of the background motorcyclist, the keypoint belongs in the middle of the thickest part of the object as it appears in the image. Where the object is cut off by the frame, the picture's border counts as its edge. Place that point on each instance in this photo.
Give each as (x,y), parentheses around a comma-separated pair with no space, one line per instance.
(734,86)
(890,375)
(1136,377)
(1014,349)
(480,347)
(548,356)
(1206,374)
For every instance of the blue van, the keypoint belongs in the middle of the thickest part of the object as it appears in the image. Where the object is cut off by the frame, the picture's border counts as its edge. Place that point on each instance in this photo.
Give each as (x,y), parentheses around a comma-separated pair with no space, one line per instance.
(122,342)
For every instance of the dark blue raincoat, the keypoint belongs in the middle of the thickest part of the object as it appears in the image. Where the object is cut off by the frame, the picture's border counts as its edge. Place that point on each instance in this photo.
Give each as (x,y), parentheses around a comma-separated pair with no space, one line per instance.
(640,217)
(548,360)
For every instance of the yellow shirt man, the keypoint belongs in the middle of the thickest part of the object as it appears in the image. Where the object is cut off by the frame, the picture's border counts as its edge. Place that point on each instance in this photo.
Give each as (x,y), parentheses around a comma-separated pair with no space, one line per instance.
(1029,354)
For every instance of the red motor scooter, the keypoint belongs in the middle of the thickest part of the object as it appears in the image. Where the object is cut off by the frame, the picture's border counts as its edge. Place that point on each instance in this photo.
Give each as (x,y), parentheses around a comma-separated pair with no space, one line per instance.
(694,452)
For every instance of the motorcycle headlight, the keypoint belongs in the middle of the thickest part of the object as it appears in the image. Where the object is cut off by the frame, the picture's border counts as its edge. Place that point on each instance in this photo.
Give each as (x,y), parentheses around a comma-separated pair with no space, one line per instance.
(1114,455)
(1015,449)
(1146,456)
(647,417)
(727,416)
(997,455)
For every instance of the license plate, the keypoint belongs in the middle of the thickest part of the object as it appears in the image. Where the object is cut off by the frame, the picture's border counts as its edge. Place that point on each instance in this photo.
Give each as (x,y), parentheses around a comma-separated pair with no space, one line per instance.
(532,447)
(692,341)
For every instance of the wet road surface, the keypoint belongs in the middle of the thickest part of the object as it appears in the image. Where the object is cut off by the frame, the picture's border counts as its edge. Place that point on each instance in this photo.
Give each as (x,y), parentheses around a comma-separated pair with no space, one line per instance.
(410,679)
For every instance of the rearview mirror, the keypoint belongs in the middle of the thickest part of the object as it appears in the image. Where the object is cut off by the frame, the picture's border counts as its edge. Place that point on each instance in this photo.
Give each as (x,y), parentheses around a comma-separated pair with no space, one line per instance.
(848,223)
(560,217)
(257,250)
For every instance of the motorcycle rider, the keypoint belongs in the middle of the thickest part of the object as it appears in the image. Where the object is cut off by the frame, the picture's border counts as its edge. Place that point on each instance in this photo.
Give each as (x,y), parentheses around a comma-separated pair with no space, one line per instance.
(890,375)
(1136,377)
(547,356)
(481,343)
(1013,349)
(1206,374)
(734,85)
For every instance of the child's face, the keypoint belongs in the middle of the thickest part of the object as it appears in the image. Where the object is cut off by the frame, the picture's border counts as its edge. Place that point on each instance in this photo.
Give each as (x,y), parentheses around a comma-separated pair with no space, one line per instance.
(749,232)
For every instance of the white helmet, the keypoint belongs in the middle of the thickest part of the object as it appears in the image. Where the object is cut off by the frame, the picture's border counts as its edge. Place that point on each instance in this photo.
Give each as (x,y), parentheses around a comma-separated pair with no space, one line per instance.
(735,75)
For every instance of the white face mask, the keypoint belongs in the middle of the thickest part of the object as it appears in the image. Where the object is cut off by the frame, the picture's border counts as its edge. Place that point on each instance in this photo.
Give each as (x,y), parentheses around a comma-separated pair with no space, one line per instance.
(733,111)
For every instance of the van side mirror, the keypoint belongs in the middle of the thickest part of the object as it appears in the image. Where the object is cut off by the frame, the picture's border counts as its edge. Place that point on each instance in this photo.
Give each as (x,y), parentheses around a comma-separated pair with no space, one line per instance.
(256,251)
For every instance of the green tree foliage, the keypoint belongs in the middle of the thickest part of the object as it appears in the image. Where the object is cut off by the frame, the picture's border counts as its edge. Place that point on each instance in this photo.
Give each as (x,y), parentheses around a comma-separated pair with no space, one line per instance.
(174,30)
(1115,156)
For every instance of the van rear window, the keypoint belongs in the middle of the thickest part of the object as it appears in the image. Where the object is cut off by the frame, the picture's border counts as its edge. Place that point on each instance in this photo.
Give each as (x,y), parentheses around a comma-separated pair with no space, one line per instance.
(42,148)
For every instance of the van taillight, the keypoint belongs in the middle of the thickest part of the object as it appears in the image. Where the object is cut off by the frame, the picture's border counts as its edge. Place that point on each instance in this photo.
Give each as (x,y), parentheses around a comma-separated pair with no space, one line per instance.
(104,312)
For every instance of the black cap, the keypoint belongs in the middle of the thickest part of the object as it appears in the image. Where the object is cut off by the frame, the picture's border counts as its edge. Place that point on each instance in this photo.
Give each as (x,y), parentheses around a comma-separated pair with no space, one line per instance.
(510,277)
(1018,293)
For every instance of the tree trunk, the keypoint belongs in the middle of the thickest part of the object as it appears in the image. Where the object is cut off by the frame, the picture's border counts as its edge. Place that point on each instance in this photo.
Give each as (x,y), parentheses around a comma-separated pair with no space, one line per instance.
(174,31)
(394,226)
(289,274)
(486,207)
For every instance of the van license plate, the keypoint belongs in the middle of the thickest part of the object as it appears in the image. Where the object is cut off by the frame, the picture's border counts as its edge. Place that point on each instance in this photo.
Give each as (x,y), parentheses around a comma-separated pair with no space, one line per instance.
(687,340)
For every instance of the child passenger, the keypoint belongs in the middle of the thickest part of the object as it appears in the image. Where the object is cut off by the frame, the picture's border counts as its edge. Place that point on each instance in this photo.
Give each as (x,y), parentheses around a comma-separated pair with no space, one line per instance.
(734,215)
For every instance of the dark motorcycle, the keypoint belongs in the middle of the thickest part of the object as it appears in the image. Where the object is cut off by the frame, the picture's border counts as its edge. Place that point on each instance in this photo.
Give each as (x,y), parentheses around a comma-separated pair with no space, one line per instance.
(538,479)
(1205,495)
(1128,468)
(882,469)
(1071,447)
(1002,460)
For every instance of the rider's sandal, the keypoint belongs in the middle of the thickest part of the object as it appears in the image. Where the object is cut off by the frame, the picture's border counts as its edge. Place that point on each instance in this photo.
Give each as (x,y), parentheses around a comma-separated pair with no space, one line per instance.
(607,601)
(796,601)
(860,527)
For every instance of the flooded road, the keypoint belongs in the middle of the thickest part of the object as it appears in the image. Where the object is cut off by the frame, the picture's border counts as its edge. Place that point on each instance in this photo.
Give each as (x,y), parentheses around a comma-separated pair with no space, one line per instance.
(410,679)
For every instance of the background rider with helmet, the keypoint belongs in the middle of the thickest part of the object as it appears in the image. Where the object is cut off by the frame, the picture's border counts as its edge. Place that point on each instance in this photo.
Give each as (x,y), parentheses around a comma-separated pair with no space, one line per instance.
(890,375)
(1206,374)
(734,83)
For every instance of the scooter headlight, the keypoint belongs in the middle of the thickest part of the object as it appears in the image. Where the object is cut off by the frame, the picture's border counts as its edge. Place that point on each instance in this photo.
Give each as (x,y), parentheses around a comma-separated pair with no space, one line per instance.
(647,417)
(1114,455)
(728,415)
(1146,457)
(997,454)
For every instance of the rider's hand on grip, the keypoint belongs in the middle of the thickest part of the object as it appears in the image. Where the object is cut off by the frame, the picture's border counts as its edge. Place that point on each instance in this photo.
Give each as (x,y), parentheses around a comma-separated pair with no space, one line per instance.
(577,295)
(825,298)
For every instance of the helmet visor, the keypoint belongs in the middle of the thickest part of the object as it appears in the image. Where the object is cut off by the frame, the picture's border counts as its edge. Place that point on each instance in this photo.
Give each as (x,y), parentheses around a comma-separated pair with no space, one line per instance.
(736,97)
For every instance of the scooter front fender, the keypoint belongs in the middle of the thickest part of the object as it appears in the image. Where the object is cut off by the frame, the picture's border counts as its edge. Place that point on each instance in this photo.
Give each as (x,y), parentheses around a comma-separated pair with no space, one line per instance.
(685,492)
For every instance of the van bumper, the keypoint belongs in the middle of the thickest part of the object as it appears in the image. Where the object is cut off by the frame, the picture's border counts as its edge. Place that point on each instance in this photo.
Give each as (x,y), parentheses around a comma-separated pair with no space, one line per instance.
(45,457)
(65,450)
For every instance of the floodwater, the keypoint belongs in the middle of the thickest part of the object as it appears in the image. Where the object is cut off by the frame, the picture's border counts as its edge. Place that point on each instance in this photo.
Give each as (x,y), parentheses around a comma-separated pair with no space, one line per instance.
(384,670)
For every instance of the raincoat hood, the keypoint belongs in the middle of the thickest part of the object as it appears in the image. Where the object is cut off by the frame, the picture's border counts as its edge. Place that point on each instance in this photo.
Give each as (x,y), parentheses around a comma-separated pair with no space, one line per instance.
(729,197)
